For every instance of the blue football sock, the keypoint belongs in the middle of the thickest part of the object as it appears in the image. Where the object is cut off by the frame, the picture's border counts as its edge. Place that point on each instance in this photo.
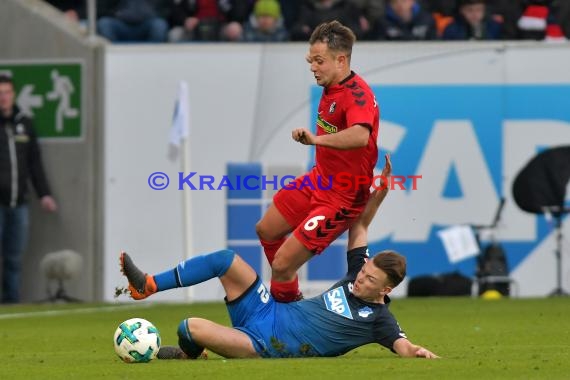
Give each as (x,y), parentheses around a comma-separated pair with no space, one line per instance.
(196,270)
(186,342)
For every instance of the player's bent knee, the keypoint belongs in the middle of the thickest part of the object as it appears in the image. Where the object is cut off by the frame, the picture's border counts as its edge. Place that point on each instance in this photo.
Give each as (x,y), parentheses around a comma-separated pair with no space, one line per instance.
(221,261)
(266,232)
(281,269)
(261,231)
(186,341)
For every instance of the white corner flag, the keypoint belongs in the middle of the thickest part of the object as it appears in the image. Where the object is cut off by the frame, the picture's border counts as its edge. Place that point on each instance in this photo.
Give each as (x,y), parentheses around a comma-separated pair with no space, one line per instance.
(178,139)
(181,117)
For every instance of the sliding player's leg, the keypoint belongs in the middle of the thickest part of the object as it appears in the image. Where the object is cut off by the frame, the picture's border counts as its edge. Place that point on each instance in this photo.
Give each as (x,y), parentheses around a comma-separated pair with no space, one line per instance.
(235,274)
(197,334)
(194,334)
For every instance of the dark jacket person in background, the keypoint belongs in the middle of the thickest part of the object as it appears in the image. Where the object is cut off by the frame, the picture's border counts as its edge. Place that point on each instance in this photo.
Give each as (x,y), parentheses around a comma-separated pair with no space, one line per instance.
(20,160)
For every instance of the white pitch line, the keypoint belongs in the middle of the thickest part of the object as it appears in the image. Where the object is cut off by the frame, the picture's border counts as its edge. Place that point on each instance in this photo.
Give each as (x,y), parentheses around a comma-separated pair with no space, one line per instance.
(51,313)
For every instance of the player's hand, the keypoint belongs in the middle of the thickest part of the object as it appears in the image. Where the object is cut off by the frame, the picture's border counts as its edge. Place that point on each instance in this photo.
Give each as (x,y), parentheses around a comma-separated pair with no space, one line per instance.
(424,353)
(304,136)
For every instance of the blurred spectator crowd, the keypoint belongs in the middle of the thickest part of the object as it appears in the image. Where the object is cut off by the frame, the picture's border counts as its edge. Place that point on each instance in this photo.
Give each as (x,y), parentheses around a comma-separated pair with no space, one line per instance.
(294,20)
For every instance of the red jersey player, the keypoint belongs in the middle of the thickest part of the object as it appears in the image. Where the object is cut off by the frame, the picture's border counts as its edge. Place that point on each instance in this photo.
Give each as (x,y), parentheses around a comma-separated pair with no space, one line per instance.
(314,209)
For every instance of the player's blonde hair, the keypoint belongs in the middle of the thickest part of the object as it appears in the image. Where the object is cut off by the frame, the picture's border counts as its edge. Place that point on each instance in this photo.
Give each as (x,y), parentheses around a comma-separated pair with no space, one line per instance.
(337,37)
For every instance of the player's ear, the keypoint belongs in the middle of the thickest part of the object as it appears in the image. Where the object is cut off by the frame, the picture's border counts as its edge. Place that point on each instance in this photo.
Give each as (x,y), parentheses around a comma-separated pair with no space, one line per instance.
(385,290)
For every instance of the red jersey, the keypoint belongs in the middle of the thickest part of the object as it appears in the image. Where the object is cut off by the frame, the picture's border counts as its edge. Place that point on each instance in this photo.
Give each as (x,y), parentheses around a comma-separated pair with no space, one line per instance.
(342,106)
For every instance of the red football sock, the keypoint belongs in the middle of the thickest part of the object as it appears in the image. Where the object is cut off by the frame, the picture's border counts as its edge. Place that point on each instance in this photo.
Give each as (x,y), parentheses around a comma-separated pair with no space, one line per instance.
(270,248)
(287,291)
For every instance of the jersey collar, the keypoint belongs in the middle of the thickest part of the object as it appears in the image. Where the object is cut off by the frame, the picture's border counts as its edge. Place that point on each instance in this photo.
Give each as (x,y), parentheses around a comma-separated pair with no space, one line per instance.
(338,87)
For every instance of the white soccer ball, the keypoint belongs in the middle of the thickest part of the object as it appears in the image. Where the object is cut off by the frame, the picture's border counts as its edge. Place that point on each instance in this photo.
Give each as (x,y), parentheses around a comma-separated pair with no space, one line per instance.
(136,340)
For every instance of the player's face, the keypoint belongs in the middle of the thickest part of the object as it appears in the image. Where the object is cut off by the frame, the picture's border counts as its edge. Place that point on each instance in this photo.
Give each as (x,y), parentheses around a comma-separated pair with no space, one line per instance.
(326,66)
(6,97)
(370,284)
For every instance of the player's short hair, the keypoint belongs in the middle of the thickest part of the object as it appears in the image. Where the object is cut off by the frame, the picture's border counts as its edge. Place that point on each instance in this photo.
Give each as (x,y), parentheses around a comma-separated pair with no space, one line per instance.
(393,264)
(337,37)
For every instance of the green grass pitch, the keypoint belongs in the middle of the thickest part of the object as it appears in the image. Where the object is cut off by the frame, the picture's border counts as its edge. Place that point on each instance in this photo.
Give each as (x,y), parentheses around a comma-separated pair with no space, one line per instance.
(504,339)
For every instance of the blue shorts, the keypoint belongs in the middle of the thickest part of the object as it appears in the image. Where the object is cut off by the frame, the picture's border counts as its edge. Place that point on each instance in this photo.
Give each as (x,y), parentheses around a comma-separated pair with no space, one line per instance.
(272,326)
(253,311)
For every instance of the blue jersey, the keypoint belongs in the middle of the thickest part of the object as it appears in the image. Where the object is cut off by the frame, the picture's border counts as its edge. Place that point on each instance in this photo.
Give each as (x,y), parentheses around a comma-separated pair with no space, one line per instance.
(330,324)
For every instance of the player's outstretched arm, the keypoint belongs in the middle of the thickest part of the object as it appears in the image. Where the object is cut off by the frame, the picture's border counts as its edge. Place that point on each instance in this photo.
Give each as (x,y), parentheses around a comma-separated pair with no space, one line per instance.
(358,233)
(407,349)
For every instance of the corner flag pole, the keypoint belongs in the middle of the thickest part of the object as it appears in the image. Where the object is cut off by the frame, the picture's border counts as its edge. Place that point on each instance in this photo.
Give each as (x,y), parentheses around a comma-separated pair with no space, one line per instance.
(187,213)
(179,134)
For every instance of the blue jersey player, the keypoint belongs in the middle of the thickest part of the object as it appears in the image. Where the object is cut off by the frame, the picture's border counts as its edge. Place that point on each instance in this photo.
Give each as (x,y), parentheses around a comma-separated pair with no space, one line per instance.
(351,313)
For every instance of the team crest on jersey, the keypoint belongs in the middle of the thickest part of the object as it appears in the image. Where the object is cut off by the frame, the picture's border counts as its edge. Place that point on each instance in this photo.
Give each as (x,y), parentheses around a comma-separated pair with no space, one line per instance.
(332,107)
(365,312)
(20,129)
(335,301)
